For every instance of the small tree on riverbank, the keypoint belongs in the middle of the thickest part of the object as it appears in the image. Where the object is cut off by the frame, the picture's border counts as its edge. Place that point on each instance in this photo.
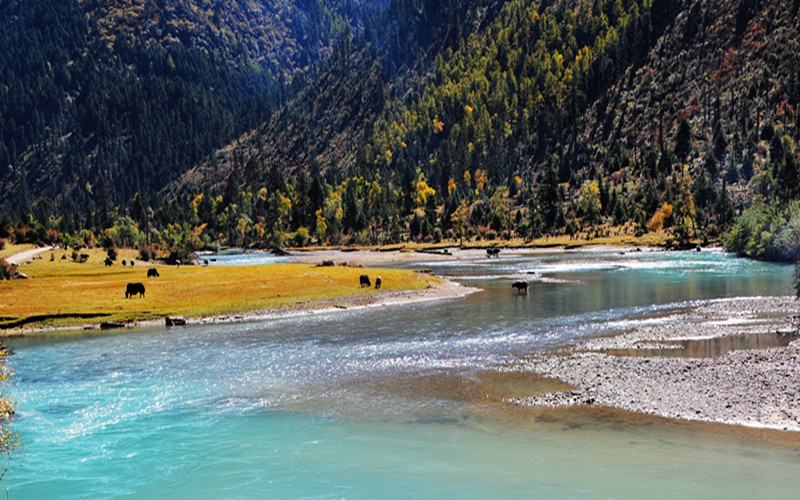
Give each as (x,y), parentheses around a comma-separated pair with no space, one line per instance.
(797,278)
(8,440)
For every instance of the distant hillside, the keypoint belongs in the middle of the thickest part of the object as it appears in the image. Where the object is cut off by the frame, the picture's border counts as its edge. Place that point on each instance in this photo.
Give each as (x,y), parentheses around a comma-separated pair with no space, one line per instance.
(278,37)
(129,94)
(729,65)
(326,125)
(465,118)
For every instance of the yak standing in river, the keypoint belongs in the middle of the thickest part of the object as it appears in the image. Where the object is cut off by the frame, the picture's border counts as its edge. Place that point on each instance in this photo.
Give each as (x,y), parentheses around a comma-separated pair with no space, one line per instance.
(134,289)
(521,286)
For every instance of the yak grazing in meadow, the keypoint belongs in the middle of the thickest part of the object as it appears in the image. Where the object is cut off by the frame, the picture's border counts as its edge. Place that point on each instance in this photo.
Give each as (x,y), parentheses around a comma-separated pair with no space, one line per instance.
(134,289)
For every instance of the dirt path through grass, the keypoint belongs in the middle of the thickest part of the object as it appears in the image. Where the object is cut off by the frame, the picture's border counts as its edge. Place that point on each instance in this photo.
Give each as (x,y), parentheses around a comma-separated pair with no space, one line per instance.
(21,257)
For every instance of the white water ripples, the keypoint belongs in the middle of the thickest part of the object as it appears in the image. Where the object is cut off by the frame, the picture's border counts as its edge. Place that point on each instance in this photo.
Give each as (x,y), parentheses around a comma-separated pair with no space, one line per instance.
(270,407)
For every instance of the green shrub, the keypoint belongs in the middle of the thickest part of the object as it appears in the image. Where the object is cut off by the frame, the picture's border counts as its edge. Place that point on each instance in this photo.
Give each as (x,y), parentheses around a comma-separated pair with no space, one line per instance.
(767,232)
(180,254)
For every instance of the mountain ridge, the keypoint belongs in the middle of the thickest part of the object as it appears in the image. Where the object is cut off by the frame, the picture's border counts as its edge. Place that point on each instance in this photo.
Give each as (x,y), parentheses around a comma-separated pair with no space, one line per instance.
(485,119)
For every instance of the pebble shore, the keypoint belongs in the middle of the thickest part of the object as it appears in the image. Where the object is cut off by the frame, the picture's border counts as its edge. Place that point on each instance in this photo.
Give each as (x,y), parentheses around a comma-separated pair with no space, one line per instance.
(754,387)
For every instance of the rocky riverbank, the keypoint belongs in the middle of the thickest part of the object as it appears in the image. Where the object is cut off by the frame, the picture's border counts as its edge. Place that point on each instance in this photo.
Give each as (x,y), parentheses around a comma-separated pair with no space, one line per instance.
(751,387)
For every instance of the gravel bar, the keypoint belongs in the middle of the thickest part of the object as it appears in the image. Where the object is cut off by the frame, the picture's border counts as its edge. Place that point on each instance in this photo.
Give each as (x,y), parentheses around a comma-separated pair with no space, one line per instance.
(755,387)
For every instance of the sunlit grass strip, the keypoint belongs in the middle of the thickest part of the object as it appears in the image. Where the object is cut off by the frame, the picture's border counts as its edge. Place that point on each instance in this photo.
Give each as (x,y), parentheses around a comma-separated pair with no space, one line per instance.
(65,288)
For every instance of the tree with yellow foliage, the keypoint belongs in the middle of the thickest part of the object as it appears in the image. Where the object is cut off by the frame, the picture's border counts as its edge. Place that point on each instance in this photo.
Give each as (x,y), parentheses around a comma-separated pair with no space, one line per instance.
(423,190)
(451,187)
(480,180)
(590,201)
(662,215)
(459,219)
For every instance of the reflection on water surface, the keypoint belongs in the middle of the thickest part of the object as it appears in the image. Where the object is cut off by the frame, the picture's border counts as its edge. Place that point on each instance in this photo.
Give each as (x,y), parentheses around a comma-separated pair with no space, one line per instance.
(707,348)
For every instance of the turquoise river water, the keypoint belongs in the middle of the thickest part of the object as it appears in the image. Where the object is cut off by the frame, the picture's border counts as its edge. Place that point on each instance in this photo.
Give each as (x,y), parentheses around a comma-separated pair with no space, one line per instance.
(393,402)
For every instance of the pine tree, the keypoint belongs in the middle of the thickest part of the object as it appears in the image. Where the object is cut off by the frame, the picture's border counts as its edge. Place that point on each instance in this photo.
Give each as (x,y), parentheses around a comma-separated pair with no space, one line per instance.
(549,198)
(683,141)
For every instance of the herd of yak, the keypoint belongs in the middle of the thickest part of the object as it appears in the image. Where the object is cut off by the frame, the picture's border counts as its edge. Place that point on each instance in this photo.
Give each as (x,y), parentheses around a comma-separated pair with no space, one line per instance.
(134,289)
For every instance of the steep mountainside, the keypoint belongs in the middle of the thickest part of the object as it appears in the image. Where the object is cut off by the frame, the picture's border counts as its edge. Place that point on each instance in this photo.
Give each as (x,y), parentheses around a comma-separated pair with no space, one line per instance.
(279,37)
(462,118)
(326,125)
(731,64)
(508,91)
(128,94)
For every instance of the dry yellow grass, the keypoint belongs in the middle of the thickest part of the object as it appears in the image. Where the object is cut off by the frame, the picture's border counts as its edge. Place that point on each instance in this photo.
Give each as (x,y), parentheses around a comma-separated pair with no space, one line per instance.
(64,293)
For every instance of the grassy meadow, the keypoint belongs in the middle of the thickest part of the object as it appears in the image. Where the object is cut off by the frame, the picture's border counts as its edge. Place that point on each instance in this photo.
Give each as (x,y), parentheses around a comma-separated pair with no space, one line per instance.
(62,293)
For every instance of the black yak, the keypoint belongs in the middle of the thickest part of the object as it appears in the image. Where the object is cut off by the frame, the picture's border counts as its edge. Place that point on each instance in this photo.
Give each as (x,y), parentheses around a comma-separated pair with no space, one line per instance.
(134,289)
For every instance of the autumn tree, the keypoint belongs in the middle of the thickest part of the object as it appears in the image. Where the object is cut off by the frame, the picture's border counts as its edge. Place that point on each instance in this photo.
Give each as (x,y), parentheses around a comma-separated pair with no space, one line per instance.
(590,201)
(459,220)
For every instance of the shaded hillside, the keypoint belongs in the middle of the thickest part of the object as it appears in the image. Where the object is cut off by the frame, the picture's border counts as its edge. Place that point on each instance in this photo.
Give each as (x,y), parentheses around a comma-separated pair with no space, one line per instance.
(101,100)
(321,128)
(473,119)
(734,66)
(278,37)
(325,126)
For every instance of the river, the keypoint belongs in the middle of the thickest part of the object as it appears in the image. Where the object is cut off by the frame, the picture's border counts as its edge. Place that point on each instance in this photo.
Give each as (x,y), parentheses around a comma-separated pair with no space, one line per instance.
(389,402)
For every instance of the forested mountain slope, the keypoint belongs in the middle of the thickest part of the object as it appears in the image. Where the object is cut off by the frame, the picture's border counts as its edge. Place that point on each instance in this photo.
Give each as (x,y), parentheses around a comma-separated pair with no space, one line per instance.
(498,94)
(482,119)
(727,68)
(324,127)
(100,100)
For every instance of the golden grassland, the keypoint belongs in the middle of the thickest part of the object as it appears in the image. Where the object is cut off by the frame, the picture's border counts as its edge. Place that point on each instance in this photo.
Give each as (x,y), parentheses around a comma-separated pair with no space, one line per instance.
(62,293)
